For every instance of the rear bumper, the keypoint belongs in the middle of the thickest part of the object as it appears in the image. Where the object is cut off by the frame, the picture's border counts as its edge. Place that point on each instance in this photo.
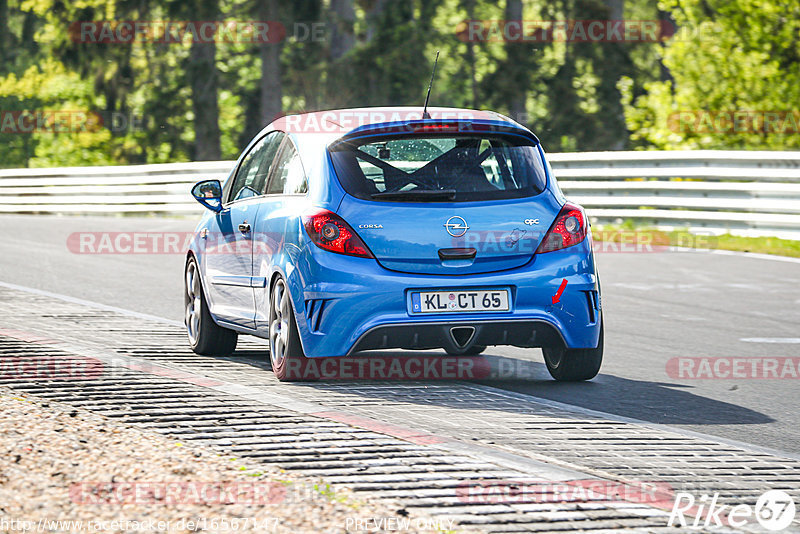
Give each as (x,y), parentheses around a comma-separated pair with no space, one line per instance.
(420,336)
(344,304)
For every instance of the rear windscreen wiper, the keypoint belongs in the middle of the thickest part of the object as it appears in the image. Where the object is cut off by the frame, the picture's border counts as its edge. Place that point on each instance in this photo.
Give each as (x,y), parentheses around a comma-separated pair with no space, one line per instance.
(418,194)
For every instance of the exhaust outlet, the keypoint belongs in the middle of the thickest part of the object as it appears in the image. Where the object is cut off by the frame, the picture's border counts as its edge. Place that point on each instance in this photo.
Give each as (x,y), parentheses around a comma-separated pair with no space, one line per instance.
(462,335)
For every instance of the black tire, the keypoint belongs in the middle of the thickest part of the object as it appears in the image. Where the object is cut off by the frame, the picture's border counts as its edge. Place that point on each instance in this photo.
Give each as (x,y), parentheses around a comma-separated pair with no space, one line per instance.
(205,337)
(285,349)
(474,350)
(574,365)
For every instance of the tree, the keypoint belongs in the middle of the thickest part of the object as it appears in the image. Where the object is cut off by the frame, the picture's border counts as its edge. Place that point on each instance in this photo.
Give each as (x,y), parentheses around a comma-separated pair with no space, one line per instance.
(206,100)
(729,56)
(391,66)
(516,69)
(202,74)
(271,86)
(342,32)
(4,34)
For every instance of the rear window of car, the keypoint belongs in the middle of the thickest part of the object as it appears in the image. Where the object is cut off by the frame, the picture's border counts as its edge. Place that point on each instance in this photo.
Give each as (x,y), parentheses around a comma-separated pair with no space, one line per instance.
(440,168)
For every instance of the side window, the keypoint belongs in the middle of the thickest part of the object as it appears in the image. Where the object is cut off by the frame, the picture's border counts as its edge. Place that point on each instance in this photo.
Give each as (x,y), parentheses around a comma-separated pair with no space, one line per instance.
(253,171)
(274,139)
(289,176)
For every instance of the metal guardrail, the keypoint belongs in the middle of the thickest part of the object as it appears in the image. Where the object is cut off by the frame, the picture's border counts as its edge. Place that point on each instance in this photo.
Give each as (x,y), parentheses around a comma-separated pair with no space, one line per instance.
(157,189)
(747,193)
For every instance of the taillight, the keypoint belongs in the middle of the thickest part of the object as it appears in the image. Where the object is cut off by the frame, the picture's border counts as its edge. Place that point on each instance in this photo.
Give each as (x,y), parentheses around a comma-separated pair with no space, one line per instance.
(569,229)
(329,231)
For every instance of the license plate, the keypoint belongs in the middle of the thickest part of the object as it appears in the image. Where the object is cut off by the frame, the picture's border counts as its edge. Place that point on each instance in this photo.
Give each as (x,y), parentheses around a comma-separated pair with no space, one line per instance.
(460,301)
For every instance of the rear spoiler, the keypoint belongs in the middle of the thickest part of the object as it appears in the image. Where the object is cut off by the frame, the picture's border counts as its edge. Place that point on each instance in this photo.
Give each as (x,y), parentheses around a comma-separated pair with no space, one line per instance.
(428,126)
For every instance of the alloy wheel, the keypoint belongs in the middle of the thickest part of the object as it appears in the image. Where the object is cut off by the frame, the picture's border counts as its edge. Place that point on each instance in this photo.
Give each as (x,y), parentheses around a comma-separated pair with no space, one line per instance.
(279,324)
(193,305)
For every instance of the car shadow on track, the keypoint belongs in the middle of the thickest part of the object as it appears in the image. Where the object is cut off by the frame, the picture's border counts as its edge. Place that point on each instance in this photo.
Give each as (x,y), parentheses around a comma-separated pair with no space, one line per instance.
(669,403)
(651,401)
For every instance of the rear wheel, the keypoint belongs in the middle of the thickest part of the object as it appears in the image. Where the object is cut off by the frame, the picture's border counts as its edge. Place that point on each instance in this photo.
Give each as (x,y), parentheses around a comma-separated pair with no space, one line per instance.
(205,336)
(285,350)
(573,365)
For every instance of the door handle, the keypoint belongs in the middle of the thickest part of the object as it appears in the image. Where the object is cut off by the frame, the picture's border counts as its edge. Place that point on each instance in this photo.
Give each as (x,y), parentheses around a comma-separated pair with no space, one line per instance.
(457,253)
(244,227)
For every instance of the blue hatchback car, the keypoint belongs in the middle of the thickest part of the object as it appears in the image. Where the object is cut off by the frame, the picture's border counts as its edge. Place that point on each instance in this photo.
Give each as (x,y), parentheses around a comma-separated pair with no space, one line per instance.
(395,231)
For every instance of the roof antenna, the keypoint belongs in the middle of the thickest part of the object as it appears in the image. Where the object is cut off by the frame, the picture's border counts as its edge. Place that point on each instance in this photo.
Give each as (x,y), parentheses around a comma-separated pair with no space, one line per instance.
(425,114)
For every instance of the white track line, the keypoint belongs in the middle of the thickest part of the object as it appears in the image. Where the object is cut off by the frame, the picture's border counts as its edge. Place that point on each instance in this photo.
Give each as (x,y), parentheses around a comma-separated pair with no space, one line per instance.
(792,340)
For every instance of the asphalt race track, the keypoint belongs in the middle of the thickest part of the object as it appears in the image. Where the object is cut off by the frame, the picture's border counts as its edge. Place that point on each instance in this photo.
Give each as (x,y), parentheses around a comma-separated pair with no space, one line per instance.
(658,306)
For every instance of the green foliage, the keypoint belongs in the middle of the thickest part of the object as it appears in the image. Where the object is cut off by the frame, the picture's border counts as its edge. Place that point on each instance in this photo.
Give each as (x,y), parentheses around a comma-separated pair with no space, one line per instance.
(728,56)
(52,91)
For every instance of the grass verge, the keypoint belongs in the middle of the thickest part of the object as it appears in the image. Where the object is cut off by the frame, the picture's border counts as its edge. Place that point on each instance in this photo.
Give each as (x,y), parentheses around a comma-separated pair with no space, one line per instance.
(630,233)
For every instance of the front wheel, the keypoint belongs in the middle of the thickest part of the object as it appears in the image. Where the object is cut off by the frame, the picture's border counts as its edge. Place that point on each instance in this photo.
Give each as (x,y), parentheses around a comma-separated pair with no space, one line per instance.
(574,365)
(205,336)
(285,350)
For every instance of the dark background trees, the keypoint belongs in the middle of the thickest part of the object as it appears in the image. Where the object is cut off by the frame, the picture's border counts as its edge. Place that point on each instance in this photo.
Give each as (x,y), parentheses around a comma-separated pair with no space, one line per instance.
(182,100)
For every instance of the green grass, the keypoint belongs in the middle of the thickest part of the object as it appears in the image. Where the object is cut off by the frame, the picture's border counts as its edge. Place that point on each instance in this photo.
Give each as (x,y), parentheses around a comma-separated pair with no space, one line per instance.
(629,232)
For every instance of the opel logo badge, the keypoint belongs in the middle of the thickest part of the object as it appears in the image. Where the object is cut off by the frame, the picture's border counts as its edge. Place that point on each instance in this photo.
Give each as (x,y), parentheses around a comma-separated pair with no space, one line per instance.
(456,226)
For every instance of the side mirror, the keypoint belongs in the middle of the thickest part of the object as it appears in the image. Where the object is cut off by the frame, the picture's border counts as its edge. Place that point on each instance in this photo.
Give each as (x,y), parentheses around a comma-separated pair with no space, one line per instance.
(209,194)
